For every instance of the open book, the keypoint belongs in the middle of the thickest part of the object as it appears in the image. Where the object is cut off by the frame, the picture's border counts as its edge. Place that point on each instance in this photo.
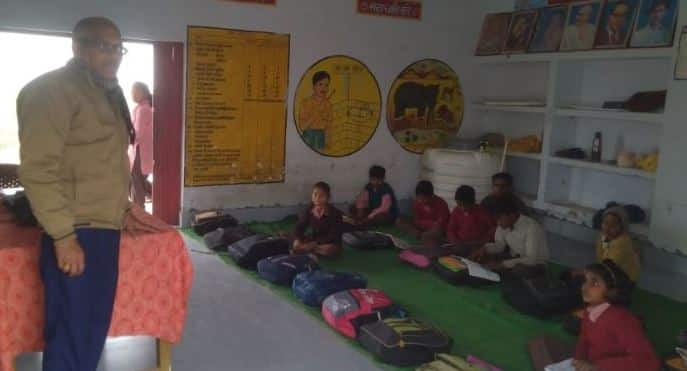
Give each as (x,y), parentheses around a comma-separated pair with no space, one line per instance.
(478,271)
(566,365)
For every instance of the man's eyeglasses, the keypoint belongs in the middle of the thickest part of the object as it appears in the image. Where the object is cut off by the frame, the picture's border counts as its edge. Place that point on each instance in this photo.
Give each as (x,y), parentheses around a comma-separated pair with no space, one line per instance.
(104,47)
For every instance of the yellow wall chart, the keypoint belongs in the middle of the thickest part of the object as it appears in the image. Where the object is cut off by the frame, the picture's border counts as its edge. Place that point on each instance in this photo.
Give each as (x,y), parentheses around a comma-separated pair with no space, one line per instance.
(235,106)
(337,106)
(425,105)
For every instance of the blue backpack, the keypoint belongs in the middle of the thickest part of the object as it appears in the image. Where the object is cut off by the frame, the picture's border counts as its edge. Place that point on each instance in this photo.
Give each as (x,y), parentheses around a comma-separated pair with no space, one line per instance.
(281,269)
(313,287)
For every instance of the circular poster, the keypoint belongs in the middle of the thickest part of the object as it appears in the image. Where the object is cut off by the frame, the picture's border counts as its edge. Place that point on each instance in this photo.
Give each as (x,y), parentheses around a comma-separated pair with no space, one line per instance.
(337,106)
(425,105)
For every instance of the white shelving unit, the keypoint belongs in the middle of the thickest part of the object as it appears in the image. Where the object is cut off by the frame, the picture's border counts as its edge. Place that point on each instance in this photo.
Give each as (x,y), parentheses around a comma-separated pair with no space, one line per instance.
(569,189)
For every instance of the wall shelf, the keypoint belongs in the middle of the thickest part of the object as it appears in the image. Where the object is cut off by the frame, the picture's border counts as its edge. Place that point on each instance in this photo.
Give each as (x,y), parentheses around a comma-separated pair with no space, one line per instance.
(634,54)
(602,167)
(530,156)
(653,118)
(518,109)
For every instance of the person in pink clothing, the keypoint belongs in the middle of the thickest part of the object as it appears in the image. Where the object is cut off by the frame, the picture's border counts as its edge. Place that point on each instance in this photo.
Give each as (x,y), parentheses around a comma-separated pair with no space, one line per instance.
(141,152)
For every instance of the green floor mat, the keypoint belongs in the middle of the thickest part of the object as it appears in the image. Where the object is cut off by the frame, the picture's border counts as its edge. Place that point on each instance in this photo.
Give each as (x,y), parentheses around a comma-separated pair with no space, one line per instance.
(478,320)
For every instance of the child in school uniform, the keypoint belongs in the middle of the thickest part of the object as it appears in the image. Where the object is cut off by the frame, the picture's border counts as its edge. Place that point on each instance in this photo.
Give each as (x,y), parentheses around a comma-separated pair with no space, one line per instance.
(376,205)
(616,244)
(469,223)
(519,245)
(611,338)
(319,227)
(430,214)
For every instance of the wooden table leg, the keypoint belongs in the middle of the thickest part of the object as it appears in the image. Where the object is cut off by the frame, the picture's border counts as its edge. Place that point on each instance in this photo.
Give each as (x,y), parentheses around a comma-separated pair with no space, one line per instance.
(164,355)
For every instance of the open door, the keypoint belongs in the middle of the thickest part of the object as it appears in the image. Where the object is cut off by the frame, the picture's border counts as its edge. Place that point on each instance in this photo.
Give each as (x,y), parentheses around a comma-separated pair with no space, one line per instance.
(168,130)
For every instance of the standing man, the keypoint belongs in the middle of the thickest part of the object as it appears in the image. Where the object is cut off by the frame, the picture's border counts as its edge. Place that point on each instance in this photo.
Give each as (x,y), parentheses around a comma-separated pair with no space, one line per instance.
(617,27)
(580,35)
(74,130)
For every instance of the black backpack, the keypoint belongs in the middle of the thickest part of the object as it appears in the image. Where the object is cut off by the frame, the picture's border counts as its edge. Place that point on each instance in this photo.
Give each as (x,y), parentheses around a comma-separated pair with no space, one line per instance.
(541,297)
(365,240)
(206,221)
(446,268)
(220,238)
(249,251)
(281,269)
(403,342)
(20,207)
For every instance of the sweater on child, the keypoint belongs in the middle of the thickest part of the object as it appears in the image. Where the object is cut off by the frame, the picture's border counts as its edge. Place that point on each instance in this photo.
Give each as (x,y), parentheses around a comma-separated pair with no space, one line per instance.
(470,225)
(622,252)
(432,215)
(615,341)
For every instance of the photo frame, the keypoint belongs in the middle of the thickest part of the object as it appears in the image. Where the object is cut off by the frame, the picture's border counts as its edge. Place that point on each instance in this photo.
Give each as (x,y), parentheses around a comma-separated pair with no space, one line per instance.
(549,31)
(493,34)
(655,25)
(615,26)
(581,25)
(680,72)
(520,32)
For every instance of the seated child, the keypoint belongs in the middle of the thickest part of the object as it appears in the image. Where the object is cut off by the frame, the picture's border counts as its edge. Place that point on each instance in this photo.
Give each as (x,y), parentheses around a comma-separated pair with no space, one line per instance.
(501,186)
(376,205)
(612,339)
(616,244)
(470,223)
(519,241)
(319,227)
(430,213)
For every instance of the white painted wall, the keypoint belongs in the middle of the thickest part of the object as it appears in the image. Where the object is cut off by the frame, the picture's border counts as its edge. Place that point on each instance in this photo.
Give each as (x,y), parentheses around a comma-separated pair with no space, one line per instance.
(318,28)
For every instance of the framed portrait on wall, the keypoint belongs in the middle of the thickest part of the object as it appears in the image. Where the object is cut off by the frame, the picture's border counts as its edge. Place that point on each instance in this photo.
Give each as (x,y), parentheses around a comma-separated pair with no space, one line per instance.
(493,34)
(617,19)
(655,24)
(520,32)
(580,28)
(549,31)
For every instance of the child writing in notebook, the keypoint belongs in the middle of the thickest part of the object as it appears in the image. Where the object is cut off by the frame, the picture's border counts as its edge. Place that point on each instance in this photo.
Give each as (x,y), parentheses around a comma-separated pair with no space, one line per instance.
(376,205)
(611,338)
(319,227)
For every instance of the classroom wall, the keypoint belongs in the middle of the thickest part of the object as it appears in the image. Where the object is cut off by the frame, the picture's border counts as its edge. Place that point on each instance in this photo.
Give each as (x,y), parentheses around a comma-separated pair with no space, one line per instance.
(447,31)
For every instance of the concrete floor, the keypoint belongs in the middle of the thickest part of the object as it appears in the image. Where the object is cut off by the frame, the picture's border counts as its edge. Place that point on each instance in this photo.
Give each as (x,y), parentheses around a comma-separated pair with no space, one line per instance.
(235,324)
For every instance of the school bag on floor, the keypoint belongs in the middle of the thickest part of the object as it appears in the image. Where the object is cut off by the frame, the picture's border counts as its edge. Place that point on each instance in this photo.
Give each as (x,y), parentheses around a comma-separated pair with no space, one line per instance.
(423,257)
(220,238)
(249,251)
(206,221)
(460,271)
(312,288)
(366,240)
(347,310)
(281,269)
(403,342)
(449,362)
(541,297)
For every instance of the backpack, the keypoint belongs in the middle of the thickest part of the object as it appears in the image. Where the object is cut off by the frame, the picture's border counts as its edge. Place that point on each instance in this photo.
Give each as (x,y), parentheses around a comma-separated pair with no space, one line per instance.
(312,288)
(423,257)
(249,251)
(347,310)
(220,238)
(448,362)
(206,221)
(281,269)
(454,270)
(365,240)
(403,342)
(541,297)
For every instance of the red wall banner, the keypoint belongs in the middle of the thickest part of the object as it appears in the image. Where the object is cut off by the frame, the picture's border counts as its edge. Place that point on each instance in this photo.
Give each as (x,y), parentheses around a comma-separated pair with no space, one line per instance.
(391,8)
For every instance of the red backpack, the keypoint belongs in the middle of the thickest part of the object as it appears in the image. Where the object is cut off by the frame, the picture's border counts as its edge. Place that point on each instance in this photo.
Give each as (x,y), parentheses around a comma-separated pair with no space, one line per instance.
(347,310)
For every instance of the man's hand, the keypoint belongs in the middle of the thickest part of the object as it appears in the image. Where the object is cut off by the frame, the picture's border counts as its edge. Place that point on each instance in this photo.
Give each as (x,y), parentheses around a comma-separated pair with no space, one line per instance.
(479,254)
(70,256)
(584,366)
(137,221)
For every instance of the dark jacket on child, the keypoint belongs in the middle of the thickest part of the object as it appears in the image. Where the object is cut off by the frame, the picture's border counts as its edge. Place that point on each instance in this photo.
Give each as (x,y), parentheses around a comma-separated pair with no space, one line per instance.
(324,230)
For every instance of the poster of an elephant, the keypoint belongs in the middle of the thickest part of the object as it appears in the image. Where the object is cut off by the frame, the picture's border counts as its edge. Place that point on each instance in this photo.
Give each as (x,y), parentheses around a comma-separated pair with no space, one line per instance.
(425,105)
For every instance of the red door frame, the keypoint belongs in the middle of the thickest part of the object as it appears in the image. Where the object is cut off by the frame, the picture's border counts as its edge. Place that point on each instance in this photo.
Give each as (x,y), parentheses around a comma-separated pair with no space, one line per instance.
(168,130)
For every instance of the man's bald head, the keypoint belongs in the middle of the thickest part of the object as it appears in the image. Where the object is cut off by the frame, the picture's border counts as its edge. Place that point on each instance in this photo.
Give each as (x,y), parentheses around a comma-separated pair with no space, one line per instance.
(97,42)
(91,27)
